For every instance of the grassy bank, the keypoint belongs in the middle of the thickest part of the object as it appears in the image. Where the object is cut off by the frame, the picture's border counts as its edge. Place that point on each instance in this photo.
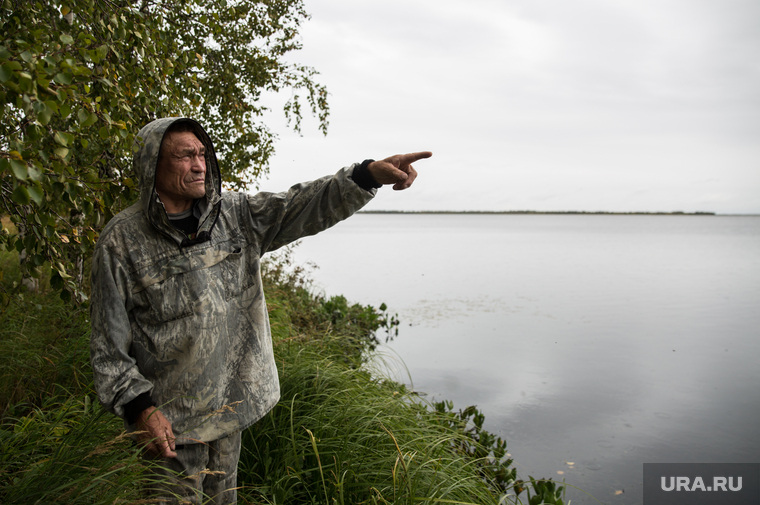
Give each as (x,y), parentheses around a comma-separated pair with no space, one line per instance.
(340,434)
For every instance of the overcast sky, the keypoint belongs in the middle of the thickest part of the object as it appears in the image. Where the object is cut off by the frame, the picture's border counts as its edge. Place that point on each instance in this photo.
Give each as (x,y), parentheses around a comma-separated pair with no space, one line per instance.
(553,105)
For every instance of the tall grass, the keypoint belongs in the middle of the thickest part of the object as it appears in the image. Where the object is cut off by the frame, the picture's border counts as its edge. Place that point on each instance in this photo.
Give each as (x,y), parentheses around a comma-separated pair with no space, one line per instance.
(68,451)
(43,352)
(340,434)
(57,444)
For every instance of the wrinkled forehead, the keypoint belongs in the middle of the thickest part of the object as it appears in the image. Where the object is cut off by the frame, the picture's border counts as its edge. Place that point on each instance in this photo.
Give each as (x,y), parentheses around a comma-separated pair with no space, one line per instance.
(177,142)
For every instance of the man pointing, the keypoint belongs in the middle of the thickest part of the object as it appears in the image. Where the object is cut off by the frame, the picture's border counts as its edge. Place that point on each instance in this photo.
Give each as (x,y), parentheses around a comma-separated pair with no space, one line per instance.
(181,345)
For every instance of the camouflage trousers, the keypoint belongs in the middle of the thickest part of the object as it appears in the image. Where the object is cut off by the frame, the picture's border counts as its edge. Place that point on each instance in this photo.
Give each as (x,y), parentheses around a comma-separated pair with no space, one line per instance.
(201,474)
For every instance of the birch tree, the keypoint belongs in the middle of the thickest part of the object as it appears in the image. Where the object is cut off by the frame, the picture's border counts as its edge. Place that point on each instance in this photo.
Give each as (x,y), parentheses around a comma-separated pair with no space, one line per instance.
(78,78)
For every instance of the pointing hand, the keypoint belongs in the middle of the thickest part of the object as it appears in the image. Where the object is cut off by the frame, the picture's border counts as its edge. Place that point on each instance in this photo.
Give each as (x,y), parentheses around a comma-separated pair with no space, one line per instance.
(397,170)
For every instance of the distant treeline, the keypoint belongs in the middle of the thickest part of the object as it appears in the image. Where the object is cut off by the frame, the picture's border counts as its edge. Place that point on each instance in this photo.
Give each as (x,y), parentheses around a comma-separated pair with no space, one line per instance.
(674,213)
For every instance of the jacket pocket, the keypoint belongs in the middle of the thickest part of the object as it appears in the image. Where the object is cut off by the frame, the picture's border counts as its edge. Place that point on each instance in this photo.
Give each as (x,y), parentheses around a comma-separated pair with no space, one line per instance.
(192,282)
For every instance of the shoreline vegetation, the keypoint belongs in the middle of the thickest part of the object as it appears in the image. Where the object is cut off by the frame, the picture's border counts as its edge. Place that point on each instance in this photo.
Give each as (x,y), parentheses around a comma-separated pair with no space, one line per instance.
(342,433)
(540,212)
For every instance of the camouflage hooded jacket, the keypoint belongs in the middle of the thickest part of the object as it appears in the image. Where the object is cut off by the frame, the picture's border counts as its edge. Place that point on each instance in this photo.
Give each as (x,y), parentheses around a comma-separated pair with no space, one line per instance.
(185,320)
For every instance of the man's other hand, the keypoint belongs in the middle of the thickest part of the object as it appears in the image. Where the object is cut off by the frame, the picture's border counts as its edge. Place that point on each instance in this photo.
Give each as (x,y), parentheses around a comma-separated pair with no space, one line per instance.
(397,170)
(156,433)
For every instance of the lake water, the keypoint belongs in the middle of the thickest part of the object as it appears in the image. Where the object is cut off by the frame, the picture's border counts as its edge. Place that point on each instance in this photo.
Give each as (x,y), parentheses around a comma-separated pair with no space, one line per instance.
(592,343)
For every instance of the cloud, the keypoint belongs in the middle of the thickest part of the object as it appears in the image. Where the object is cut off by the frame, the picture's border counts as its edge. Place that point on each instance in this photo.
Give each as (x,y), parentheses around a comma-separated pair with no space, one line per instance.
(584,105)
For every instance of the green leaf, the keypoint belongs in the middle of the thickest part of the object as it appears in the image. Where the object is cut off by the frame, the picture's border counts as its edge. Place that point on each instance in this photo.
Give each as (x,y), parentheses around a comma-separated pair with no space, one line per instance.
(64,78)
(20,195)
(34,134)
(61,152)
(92,118)
(61,270)
(20,170)
(38,260)
(25,81)
(102,51)
(43,83)
(6,72)
(63,138)
(36,194)
(66,39)
(52,105)
(44,112)
(65,110)
(33,171)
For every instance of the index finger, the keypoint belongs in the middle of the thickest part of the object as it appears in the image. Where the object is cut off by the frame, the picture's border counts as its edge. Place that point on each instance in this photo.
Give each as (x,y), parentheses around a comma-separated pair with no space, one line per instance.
(412,157)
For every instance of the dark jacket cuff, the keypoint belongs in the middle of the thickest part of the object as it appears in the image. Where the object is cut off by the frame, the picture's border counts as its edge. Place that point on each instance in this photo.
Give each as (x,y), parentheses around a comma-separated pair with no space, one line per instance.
(133,409)
(363,178)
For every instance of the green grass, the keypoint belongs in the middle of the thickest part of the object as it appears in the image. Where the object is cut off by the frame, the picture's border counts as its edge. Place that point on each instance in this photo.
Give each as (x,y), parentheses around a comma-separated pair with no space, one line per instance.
(68,451)
(339,435)
(59,446)
(43,352)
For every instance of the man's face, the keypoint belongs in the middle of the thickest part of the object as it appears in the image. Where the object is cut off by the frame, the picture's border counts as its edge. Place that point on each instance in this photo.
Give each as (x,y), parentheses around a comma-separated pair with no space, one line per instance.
(181,171)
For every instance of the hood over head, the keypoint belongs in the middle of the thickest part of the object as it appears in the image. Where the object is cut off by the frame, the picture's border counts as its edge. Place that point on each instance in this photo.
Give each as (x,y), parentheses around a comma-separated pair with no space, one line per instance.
(145,162)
